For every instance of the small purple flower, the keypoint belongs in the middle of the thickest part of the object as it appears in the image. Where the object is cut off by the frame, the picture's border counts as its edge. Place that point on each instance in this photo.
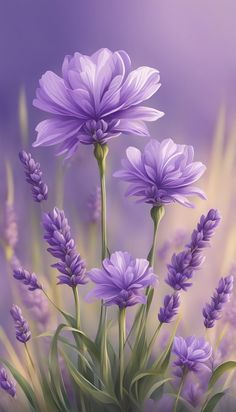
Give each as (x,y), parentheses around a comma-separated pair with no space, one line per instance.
(162,174)
(23,333)
(170,308)
(94,205)
(213,311)
(29,279)
(34,176)
(183,264)
(97,98)
(6,383)
(191,353)
(62,246)
(122,280)
(10,231)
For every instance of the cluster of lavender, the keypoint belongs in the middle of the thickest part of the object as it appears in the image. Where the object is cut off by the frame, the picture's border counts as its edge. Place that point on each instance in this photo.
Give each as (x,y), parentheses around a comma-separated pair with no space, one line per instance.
(62,246)
(6,383)
(28,279)
(23,333)
(34,176)
(213,311)
(183,264)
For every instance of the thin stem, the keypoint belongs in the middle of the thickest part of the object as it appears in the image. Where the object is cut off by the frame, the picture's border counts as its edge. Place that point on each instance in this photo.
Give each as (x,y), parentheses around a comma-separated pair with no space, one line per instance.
(122,338)
(77,307)
(157,213)
(180,390)
(29,357)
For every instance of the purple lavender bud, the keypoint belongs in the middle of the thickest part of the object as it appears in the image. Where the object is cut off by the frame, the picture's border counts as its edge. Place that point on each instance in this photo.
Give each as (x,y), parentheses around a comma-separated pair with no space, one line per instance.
(34,176)
(10,226)
(213,311)
(6,383)
(170,308)
(23,333)
(183,264)
(191,353)
(29,279)
(62,246)
(94,205)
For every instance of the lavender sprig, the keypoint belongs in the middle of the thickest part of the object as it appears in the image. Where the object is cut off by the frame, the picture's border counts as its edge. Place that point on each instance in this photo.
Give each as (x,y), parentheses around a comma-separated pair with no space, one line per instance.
(213,311)
(6,383)
(34,176)
(62,246)
(23,333)
(183,264)
(29,279)
(170,308)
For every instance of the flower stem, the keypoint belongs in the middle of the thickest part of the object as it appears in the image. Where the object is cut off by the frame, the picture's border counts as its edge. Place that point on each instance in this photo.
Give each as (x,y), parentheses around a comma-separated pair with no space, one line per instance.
(29,357)
(157,213)
(77,308)
(100,153)
(180,390)
(122,338)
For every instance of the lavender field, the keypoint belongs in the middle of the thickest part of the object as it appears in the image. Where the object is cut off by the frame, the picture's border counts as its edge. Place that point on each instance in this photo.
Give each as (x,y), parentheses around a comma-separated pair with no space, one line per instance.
(117,199)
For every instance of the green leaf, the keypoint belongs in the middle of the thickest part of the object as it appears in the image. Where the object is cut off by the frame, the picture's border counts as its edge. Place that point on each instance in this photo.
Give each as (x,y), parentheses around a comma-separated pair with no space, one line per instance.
(149,390)
(57,384)
(218,372)
(25,386)
(87,387)
(211,403)
(162,362)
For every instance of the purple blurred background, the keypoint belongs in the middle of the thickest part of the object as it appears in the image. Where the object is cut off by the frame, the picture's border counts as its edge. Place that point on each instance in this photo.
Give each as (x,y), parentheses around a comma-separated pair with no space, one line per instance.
(192,43)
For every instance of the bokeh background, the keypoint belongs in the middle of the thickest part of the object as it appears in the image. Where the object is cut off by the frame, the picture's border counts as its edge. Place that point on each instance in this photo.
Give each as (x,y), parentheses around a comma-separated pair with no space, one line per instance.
(192,43)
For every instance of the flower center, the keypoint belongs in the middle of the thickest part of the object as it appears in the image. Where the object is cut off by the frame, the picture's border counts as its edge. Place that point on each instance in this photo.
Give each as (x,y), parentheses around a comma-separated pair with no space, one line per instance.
(97,129)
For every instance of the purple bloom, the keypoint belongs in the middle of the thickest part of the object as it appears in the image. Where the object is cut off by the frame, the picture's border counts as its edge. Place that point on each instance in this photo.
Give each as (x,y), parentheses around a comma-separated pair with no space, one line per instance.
(62,246)
(170,308)
(29,279)
(162,174)
(122,280)
(97,98)
(10,233)
(6,383)
(191,353)
(94,206)
(213,311)
(34,176)
(23,333)
(183,264)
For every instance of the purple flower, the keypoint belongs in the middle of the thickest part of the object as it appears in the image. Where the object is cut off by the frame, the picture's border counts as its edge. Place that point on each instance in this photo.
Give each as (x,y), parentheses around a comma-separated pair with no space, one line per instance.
(94,205)
(97,98)
(191,353)
(34,176)
(62,246)
(6,383)
(29,279)
(122,280)
(213,311)
(170,308)
(23,333)
(10,232)
(183,264)
(162,174)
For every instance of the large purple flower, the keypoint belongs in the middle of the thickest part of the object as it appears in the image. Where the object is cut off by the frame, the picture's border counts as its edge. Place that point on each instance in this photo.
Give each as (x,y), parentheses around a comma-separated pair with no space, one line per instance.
(191,353)
(122,280)
(97,98)
(162,174)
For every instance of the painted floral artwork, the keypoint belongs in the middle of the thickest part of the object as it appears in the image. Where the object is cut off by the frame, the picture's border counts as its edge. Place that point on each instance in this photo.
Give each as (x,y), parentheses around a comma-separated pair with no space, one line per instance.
(117,224)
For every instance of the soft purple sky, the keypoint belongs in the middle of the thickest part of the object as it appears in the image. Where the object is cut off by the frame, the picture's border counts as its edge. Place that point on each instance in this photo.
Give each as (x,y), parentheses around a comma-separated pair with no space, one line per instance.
(192,43)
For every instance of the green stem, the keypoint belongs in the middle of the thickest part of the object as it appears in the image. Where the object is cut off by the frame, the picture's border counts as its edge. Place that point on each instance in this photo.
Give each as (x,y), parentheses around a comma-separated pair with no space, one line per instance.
(100,153)
(180,390)
(122,338)
(77,307)
(29,357)
(157,213)
(152,341)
